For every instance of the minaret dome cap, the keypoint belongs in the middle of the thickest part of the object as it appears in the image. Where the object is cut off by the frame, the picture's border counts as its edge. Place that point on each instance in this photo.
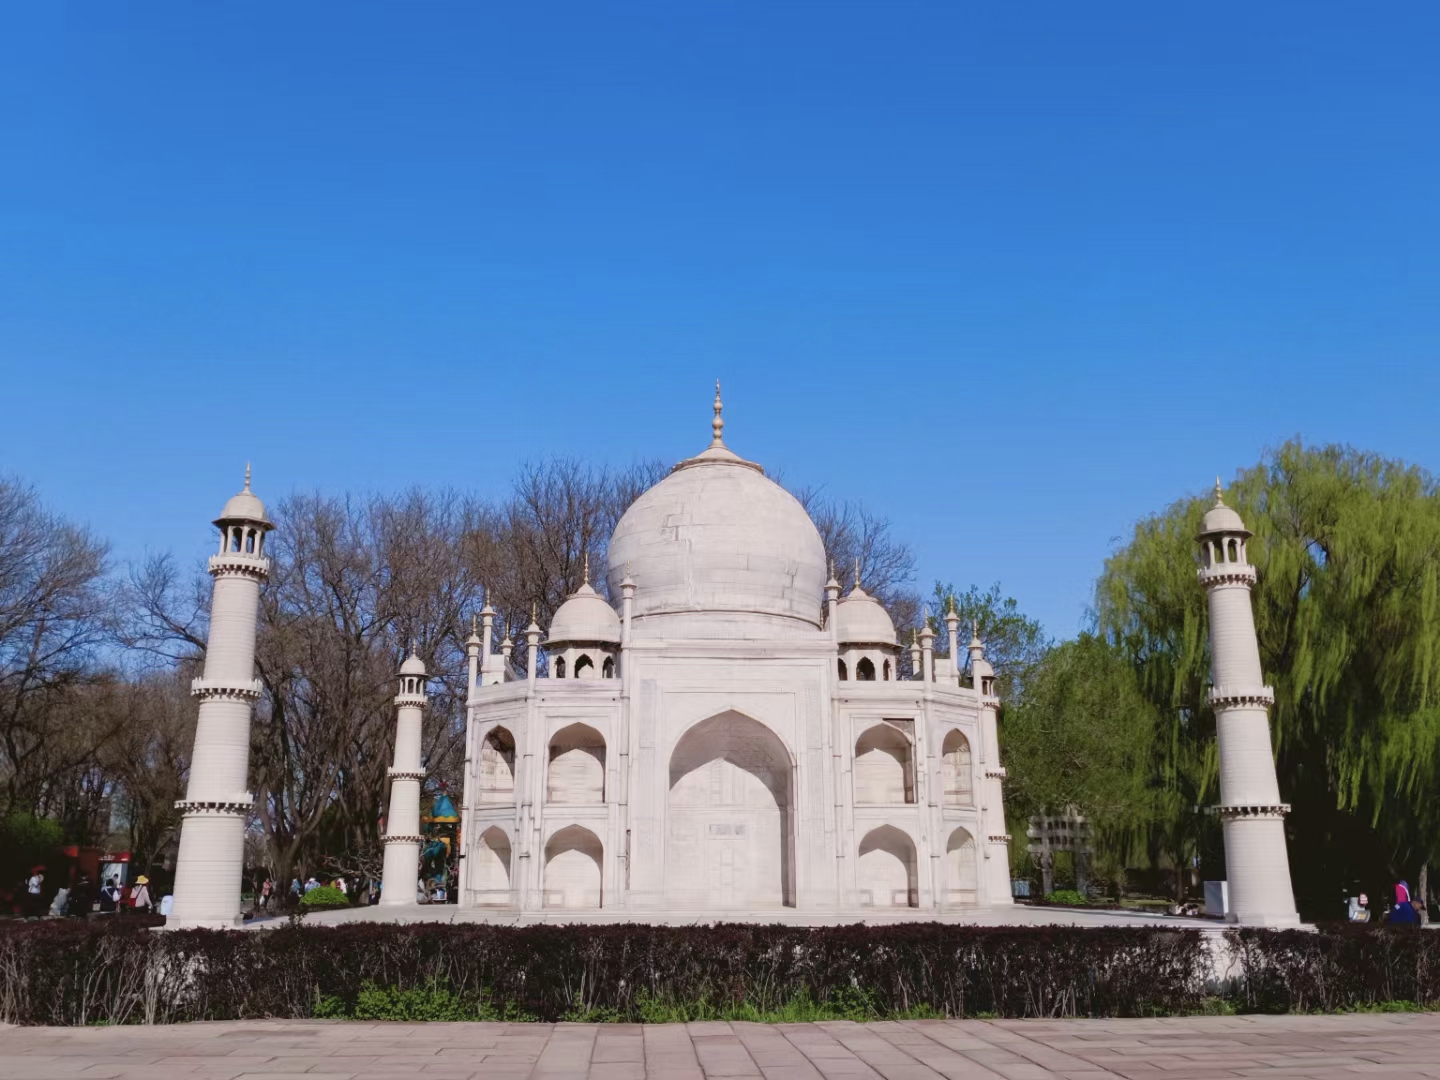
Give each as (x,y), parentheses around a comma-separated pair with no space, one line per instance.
(244,506)
(1221,519)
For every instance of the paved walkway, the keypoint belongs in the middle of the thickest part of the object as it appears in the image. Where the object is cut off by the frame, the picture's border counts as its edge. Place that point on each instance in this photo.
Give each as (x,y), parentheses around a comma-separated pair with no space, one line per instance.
(1194,1048)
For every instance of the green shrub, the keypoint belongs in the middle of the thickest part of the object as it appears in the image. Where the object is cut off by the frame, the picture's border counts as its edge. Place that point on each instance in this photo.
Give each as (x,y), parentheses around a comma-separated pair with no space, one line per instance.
(324,898)
(1067,896)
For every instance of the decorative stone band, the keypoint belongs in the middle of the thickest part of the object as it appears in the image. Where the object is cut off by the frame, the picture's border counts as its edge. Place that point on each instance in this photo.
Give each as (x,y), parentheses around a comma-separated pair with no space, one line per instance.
(403,839)
(1222,697)
(1000,838)
(234,691)
(1279,810)
(997,773)
(234,562)
(989,701)
(405,774)
(235,807)
(418,700)
(1227,574)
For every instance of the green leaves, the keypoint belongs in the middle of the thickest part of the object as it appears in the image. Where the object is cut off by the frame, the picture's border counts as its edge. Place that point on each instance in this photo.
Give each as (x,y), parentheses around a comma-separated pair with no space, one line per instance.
(1347,611)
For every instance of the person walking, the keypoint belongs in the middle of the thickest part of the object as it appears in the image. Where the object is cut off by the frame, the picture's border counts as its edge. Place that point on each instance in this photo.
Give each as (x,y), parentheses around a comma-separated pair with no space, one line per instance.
(35,893)
(110,896)
(265,890)
(80,899)
(140,896)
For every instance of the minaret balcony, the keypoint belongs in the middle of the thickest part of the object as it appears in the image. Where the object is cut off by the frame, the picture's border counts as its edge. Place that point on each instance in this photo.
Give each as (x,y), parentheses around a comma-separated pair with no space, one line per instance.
(416,700)
(1233,697)
(1227,574)
(238,562)
(247,690)
(1230,813)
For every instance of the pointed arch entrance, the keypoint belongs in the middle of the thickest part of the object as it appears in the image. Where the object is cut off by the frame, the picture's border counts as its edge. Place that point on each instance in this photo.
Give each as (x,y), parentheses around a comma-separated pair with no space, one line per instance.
(730,817)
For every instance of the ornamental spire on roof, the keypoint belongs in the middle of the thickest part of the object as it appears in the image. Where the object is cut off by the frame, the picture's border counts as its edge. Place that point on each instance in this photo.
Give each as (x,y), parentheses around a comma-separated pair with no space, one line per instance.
(1219,498)
(717,425)
(247,476)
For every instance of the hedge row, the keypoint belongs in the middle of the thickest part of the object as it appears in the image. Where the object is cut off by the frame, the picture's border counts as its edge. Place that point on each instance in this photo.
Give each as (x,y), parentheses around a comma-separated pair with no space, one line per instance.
(79,973)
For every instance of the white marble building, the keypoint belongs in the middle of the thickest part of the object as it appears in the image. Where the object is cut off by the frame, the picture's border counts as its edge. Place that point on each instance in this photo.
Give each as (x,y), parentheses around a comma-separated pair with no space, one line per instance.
(732,740)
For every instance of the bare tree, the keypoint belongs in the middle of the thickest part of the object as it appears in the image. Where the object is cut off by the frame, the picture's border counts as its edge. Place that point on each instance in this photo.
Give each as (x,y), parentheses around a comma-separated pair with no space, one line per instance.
(854,537)
(53,619)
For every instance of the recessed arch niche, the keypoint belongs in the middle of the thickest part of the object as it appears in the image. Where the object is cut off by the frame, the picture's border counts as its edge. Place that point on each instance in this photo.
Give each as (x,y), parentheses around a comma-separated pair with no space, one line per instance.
(576,772)
(573,861)
(884,766)
(730,817)
(490,869)
(962,881)
(496,780)
(886,871)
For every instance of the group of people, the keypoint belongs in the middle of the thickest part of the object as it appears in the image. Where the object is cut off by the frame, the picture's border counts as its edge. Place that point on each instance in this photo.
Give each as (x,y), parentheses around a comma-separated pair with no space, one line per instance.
(1405,911)
(81,899)
(268,892)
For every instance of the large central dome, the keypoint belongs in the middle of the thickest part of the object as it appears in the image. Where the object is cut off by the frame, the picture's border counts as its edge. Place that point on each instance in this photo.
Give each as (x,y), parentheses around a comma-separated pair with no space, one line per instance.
(717,535)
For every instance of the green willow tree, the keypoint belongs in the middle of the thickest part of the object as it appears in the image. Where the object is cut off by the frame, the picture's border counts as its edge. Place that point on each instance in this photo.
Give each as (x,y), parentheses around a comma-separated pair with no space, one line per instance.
(1347,611)
(1081,738)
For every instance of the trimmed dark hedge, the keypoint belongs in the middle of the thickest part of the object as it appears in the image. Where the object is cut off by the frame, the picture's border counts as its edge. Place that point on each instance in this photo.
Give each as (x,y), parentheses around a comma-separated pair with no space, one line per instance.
(1340,967)
(80,973)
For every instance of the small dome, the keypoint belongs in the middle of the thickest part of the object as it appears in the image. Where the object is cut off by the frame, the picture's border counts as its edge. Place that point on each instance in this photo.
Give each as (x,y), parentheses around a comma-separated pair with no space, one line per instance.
(585,616)
(413,665)
(1220,518)
(860,619)
(244,506)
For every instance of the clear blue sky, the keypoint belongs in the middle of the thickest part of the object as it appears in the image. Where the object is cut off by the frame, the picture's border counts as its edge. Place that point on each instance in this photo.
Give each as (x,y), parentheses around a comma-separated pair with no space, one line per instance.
(1014,275)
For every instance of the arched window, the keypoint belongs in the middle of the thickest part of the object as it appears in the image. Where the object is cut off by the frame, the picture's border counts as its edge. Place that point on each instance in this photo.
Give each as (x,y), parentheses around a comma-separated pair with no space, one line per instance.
(560,667)
(886,871)
(576,773)
(235,539)
(573,858)
(865,670)
(1234,547)
(490,869)
(961,875)
(844,674)
(584,667)
(884,772)
(497,767)
(957,769)
(607,670)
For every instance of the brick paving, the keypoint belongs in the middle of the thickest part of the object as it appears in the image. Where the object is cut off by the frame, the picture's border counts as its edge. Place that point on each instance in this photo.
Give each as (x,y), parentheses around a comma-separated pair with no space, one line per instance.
(1190,1048)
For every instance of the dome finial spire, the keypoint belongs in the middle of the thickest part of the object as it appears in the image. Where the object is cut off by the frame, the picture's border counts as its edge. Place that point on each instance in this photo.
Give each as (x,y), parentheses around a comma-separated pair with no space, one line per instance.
(1219,498)
(718,424)
(857,571)
(587,568)
(247,476)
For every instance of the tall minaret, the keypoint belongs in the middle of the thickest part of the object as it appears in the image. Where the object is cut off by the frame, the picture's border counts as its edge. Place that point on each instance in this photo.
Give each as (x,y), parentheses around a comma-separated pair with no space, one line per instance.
(216,804)
(1251,813)
(402,824)
(995,841)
